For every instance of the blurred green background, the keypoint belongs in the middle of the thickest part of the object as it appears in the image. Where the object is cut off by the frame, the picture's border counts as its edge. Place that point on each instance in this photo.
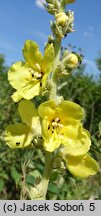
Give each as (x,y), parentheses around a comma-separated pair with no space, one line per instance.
(18,167)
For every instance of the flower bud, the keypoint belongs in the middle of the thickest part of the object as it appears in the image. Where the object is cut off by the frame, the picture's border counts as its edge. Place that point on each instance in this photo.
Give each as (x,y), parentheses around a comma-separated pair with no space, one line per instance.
(50,7)
(61,19)
(71,61)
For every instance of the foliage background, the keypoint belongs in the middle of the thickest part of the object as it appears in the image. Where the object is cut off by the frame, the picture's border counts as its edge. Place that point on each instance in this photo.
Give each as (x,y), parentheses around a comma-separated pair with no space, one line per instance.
(20,166)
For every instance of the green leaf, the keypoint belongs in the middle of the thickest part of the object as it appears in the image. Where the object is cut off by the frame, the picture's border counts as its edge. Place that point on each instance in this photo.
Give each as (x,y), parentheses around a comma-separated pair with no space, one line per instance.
(40,167)
(30,179)
(65,188)
(53,188)
(35,173)
(4,175)
(54,175)
(15,175)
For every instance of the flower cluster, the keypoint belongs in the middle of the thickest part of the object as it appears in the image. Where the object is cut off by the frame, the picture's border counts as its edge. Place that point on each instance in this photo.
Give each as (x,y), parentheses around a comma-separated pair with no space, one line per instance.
(56,125)
(59,127)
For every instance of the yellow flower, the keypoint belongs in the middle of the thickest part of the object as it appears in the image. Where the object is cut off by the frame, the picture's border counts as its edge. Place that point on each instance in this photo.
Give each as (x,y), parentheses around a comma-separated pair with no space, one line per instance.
(76,140)
(20,135)
(81,166)
(30,78)
(61,125)
(75,153)
(61,19)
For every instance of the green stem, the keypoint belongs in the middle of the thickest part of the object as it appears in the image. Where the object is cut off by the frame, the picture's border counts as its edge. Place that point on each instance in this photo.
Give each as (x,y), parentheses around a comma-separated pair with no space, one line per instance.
(47,172)
(39,191)
(57,48)
(53,95)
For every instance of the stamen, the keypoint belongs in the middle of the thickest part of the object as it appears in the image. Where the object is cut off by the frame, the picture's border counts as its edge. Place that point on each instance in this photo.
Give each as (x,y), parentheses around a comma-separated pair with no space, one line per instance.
(30,70)
(37,75)
(38,67)
(40,84)
(54,123)
(60,125)
(48,127)
(57,120)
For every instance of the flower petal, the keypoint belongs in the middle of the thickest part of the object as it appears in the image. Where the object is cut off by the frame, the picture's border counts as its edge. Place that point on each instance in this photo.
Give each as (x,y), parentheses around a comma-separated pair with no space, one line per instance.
(76,140)
(16,96)
(44,81)
(82,166)
(51,138)
(21,79)
(30,89)
(18,136)
(45,131)
(17,74)
(28,92)
(47,109)
(48,59)
(69,110)
(32,54)
(29,115)
(52,143)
